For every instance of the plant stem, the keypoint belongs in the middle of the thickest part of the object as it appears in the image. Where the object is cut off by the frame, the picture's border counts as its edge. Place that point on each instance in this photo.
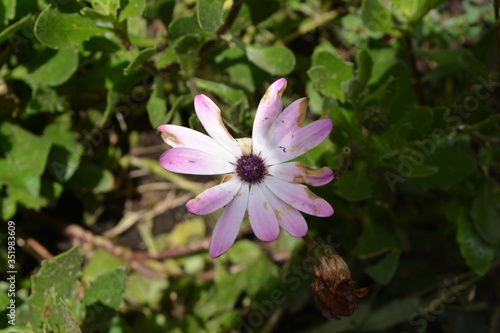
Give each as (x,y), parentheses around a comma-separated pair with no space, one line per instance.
(417,84)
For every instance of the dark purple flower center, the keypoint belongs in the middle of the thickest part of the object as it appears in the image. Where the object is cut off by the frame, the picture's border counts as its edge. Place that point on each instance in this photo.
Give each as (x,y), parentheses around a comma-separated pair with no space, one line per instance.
(251,168)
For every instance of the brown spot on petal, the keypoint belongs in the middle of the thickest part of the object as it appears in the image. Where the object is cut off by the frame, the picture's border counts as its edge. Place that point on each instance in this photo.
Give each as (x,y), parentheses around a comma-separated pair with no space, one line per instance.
(302,111)
(169,137)
(226,178)
(266,205)
(310,194)
(306,172)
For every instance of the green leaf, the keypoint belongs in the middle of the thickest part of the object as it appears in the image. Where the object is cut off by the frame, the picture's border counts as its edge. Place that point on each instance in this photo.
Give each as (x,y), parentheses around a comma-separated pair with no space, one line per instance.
(61,319)
(139,59)
(157,106)
(64,157)
(106,7)
(384,317)
(228,94)
(60,30)
(476,252)
(377,243)
(485,216)
(355,185)
(187,50)
(11,30)
(150,296)
(365,64)
(455,165)
(414,10)
(8,208)
(210,14)
(90,178)
(56,70)
(103,298)
(329,72)
(56,279)
(7,12)
(384,270)
(276,60)
(132,9)
(25,157)
(185,25)
(375,17)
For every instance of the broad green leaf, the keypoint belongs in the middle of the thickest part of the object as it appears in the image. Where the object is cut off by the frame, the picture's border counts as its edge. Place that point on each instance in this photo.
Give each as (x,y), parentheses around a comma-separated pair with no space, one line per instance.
(151,296)
(24,159)
(139,59)
(106,7)
(185,25)
(384,270)
(185,231)
(7,11)
(375,17)
(22,149)
(65,153)
(100,262)
(423,170)
(455,165)
(210,14)
(132,9)
(55,279)
(365,65)
(329,72)
(276,60)
(90,178)
(8,208)
(61,319)
(11,30)
(384,317)
(485,216)
(374,242)
(414,10)
(476,252)
(354,185)
(107,289)
(56,70)
(228,94)
(157,106)
(45,99)
(103,298)
(60,30)
(187,50)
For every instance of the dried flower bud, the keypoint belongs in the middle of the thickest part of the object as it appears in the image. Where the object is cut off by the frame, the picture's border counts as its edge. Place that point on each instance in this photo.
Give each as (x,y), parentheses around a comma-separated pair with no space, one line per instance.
(332,285)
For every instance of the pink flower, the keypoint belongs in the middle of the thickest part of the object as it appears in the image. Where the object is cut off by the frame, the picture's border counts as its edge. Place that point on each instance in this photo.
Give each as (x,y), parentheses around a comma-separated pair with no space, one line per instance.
(257,178)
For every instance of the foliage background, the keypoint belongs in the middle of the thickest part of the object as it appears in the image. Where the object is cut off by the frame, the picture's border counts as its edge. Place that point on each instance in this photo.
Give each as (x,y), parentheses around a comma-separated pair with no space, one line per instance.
(412,89)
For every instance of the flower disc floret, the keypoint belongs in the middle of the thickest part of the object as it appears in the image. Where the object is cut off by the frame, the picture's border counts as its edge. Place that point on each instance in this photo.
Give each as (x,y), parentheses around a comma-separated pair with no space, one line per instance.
(251,169)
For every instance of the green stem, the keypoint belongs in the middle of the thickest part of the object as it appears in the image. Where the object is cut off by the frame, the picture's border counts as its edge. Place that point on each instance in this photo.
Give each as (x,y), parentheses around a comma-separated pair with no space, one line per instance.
(346,158)
(309,25)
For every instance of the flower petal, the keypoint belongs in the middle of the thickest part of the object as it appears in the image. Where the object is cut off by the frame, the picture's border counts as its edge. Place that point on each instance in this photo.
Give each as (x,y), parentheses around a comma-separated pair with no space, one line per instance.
(297,143)
(269,108)
(178,136)
(262,217)
(210,116)
(229,223)
(215,197)
(289,218)
(299,197)
(296,172)
(288,121)
(195,162)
